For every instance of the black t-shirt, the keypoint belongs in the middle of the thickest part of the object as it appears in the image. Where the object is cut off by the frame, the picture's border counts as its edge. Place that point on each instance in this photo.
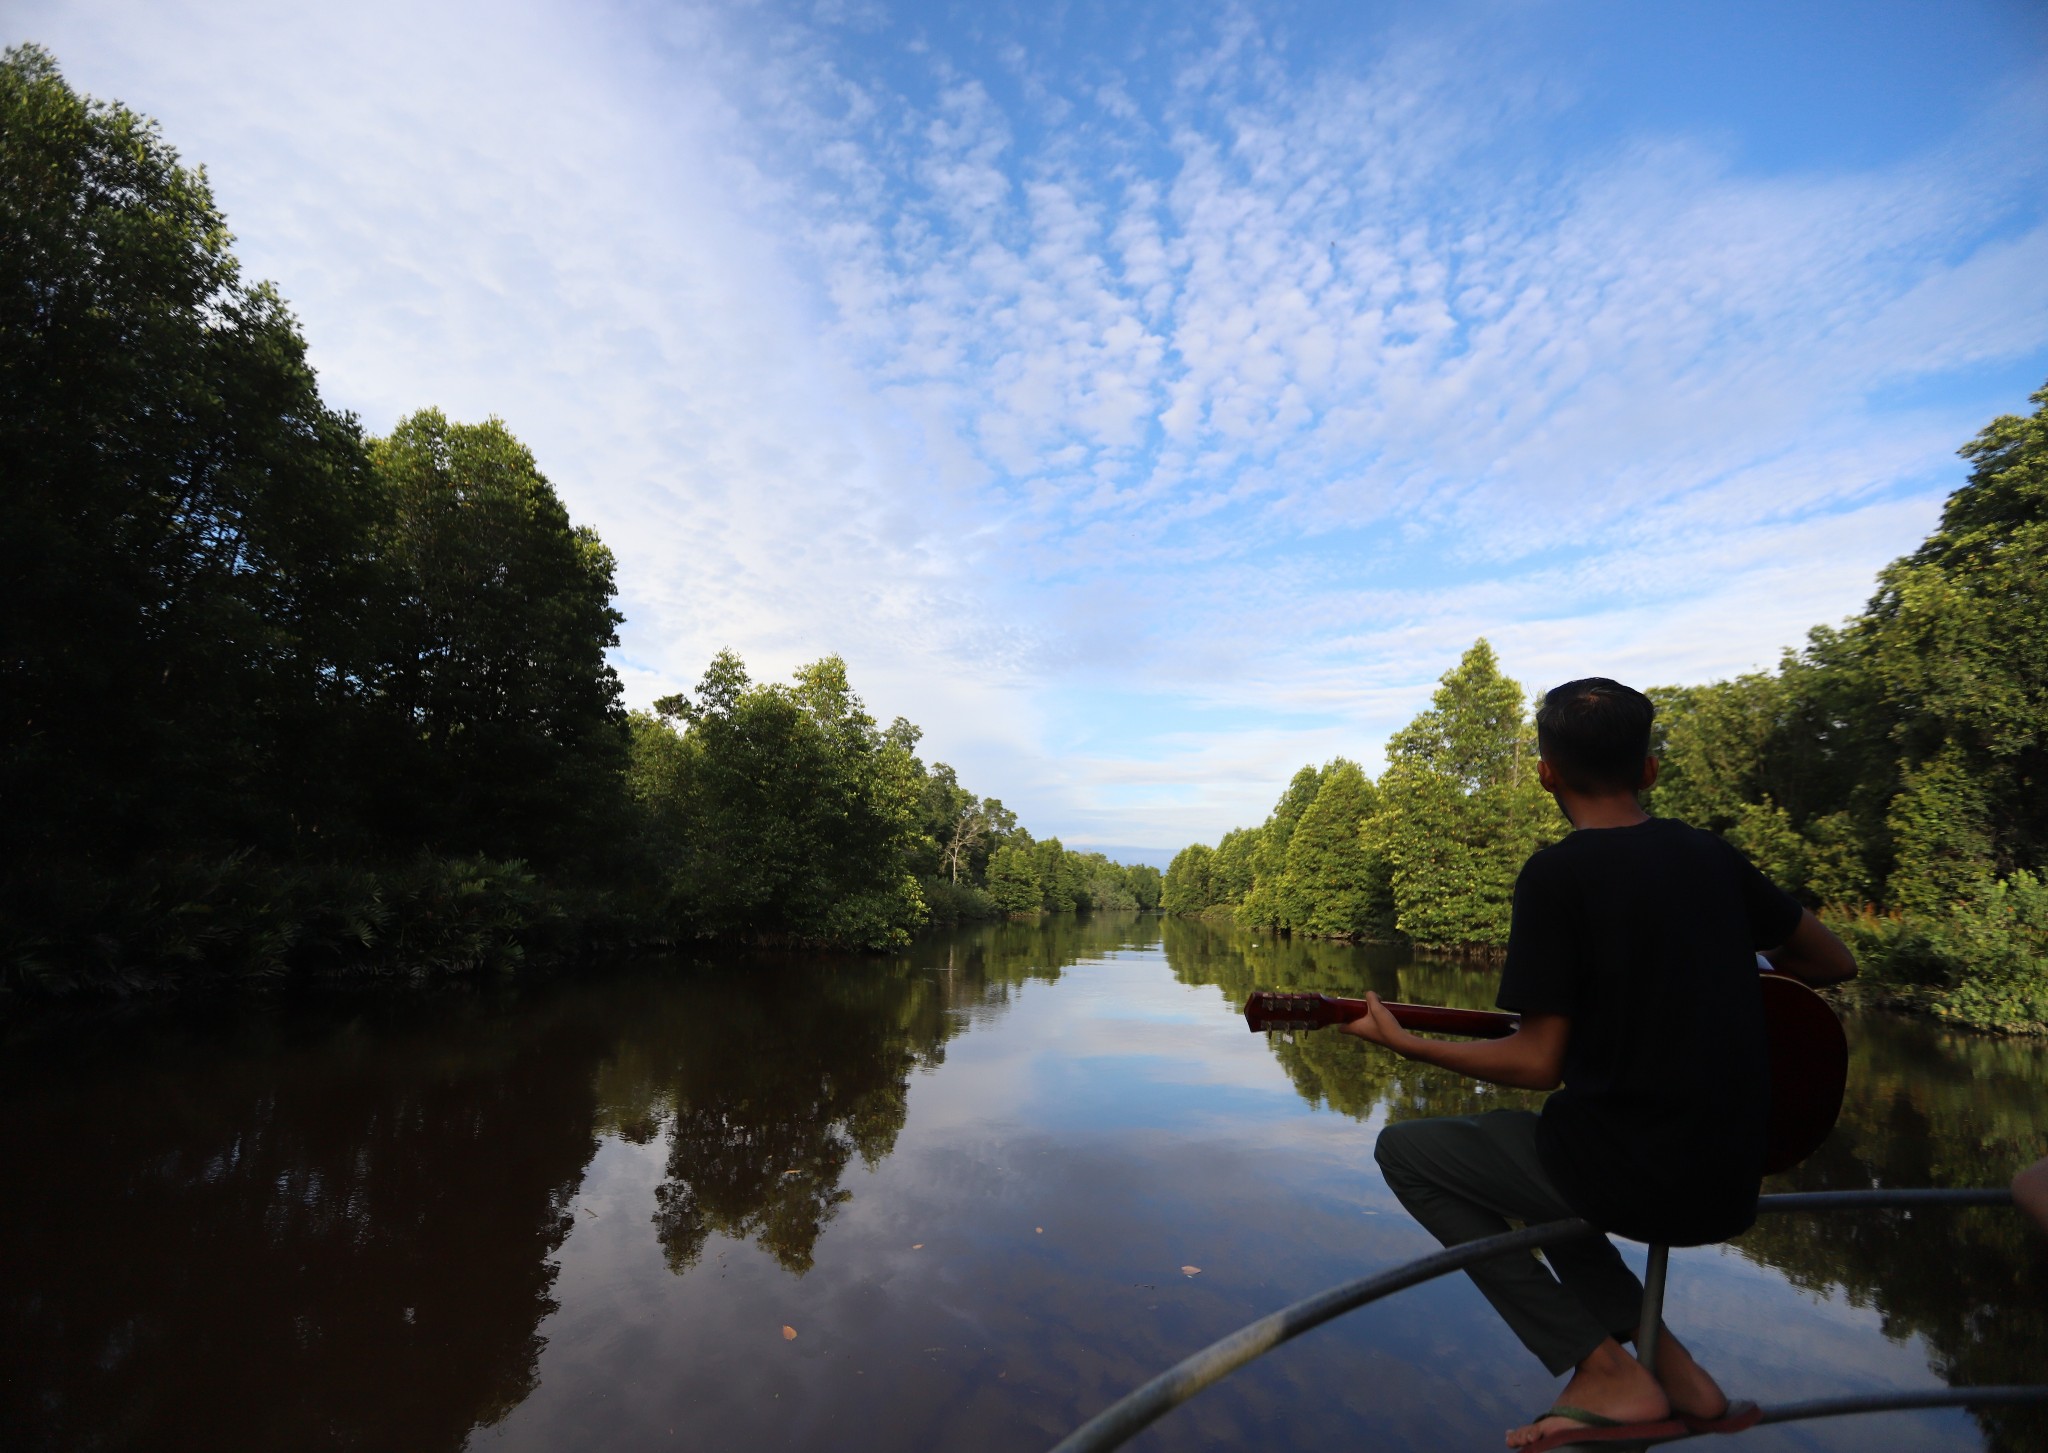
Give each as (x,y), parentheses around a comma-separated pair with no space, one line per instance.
(1646,936)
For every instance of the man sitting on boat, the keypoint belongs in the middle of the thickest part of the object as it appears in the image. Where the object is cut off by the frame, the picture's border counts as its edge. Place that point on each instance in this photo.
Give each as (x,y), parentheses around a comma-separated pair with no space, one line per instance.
(1631,961)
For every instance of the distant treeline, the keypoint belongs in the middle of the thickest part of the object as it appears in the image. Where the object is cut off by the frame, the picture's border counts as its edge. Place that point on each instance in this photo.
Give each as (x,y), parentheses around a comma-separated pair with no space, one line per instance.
(1893,774)
(279,697)
(1429,852)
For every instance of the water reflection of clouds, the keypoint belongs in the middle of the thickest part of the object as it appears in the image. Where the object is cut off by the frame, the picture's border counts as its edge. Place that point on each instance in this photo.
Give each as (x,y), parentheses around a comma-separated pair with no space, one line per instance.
(1006,1261)
(1133,1045)
(1777,1343)
(996,1334)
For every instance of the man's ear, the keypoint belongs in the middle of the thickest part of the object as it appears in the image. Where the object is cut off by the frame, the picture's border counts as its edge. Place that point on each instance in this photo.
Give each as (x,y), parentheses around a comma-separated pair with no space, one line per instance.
(1649,775)
(1546,775)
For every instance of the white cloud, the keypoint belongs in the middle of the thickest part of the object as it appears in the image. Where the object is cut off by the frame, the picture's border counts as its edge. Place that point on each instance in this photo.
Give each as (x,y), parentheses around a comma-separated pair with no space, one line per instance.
(1226,380)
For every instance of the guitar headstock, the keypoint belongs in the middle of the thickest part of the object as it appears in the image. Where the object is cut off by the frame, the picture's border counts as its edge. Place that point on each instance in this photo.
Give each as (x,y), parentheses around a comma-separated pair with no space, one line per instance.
(1266,1009)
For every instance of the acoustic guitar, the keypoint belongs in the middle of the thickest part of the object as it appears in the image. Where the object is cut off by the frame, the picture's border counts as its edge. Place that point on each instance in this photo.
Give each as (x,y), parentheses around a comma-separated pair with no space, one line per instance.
(1809,1054)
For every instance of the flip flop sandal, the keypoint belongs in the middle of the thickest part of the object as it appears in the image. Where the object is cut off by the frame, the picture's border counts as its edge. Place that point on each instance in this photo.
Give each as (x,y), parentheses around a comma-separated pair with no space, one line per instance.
(1740,1414)
(1599,1428)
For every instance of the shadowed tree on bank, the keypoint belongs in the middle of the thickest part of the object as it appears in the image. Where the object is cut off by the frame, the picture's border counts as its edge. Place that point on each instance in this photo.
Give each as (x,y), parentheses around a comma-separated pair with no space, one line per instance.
(189,602)
(513,736)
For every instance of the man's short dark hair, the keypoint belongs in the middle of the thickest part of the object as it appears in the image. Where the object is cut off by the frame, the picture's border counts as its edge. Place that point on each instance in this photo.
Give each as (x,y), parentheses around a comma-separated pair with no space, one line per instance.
(1595,734)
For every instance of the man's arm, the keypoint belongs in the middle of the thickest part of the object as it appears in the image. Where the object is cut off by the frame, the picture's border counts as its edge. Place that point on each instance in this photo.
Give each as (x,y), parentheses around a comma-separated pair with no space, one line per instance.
(1813,955)
(1532,1058)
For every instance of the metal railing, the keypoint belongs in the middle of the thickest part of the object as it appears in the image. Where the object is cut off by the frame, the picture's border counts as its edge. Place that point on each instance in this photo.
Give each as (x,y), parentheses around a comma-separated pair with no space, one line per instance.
(1126,1417)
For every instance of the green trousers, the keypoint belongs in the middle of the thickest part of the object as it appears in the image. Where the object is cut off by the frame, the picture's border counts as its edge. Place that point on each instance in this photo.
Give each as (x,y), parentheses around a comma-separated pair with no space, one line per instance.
(1468,1176)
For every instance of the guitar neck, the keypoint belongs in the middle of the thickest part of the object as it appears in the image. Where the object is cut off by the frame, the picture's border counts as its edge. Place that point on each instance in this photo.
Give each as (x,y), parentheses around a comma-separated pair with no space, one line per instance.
(1268,1010)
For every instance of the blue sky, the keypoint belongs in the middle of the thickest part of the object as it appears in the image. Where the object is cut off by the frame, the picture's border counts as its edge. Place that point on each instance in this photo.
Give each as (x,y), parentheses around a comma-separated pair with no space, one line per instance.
(1148,399)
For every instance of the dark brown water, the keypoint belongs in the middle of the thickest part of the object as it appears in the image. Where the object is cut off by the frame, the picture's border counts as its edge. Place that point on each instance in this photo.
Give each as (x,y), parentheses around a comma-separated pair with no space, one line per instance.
(989,1187)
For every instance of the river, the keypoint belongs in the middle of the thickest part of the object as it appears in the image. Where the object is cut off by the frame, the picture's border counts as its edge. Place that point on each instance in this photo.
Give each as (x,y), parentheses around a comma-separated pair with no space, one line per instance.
(960,1199)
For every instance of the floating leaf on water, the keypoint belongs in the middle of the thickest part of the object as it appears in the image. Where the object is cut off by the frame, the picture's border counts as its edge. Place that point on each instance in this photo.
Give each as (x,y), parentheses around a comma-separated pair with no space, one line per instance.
(788,1334)
(1191,1271)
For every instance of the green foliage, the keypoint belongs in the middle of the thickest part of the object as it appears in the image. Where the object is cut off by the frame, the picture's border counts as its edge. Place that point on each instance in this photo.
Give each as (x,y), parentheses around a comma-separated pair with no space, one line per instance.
(1895,772)
(1013,879)
(783,812)
(1232,869)
(1897,769)
(187,598)
(245,653)
(792,814)
(1764,832)
(245,664)
(1983,962)
(1271,899)
(1202,879)
(1461,809)
(1941,836)
(1431,851)
(2001,938)
(879,918)
(1108,886)
(1777,765)
(1058,876)
(949,902)
(1190,880)
(1025,876)
(504,618)
(1715,748)
(1953,635)
(1338,878)
(962,830)
(180,920)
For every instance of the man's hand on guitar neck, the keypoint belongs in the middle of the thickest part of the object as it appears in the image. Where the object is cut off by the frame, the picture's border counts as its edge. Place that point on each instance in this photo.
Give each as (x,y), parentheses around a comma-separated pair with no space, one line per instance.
(1532,1058)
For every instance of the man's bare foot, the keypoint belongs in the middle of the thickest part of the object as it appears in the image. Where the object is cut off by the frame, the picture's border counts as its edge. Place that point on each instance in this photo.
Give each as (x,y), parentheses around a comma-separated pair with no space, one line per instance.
(1692,1393)
(1608,1382)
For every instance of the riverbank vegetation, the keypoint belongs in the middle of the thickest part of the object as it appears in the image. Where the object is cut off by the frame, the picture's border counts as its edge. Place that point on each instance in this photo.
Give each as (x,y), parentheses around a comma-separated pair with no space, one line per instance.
(1428,852)
(1893,773)
(283,698)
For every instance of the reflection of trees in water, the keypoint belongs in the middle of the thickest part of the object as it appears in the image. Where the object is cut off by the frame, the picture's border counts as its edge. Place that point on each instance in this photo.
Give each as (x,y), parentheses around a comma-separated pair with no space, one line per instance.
(298,1233)
(1930,1108)
(770,1083)
(320,1231)
(1330,1069)
(1924,1108)
(767,1086)
(269,1228)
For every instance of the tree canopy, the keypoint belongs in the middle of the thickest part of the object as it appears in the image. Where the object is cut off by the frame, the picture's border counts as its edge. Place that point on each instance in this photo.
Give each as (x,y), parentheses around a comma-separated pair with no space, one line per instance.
(1893,773)
(282,698)
(1428,853)
(187,579)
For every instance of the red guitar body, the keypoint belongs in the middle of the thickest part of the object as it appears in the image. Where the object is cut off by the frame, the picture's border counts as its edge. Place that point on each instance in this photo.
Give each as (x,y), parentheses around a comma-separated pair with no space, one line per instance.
(1809,1053)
